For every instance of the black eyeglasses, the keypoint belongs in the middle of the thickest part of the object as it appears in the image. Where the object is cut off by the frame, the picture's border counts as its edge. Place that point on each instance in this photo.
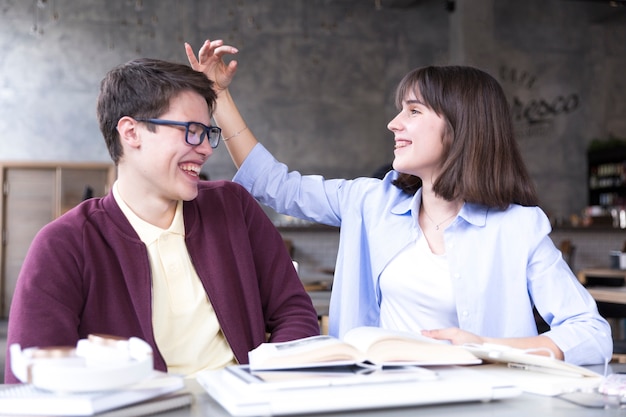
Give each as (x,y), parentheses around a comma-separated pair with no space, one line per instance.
(195,132)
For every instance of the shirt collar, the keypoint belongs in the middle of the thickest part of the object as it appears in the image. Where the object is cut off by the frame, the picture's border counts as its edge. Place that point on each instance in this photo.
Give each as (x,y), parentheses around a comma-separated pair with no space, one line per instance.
(148,233)
(475,214)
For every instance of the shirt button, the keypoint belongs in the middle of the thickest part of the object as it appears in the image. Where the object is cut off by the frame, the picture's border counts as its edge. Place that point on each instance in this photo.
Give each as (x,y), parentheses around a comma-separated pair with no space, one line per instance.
(457,275)
(465,313)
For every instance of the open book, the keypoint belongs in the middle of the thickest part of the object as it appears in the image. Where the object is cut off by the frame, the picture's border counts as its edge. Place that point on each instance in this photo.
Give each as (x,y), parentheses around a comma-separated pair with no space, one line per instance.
(369,346)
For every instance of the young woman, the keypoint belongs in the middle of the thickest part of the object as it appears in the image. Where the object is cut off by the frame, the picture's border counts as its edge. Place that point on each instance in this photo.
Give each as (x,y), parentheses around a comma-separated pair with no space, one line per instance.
(451,243)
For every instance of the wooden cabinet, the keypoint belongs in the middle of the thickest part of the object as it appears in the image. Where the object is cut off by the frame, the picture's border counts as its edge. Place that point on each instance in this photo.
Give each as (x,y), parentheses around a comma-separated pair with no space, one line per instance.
(33,194)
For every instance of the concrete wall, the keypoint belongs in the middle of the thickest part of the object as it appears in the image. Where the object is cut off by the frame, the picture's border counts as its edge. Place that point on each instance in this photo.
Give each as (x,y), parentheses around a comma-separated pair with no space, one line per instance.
(559,62)
(316,77)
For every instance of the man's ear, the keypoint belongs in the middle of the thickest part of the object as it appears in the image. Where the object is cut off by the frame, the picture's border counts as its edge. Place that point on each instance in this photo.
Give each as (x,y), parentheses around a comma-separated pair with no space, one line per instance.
(127,129)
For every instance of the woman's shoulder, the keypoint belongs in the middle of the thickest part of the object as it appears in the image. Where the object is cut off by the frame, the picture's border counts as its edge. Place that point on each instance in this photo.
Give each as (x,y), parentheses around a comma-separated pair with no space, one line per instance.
(524,212)
(372,189)
(520,217)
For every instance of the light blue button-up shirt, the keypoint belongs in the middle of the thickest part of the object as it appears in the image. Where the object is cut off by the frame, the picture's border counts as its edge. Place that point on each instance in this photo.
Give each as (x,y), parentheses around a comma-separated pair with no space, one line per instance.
(502,262)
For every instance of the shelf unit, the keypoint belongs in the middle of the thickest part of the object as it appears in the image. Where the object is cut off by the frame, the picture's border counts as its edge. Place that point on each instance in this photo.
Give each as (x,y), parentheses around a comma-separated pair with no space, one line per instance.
(33,194)
(607,177)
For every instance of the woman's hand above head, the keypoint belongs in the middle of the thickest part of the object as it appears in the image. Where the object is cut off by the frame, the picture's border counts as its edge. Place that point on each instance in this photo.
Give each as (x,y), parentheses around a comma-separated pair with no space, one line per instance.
(211,63)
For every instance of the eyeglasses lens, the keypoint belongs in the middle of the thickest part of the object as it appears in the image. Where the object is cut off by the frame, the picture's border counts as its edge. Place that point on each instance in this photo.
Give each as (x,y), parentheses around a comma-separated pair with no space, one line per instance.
(214,136)
(196,133)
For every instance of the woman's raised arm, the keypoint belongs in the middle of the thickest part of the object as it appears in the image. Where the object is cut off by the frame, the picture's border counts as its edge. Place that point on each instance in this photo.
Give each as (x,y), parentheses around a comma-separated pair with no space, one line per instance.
(237,137)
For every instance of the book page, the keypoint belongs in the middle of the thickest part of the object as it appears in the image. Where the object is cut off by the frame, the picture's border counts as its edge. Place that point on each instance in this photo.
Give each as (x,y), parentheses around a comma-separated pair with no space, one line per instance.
(391,347)
(306,352)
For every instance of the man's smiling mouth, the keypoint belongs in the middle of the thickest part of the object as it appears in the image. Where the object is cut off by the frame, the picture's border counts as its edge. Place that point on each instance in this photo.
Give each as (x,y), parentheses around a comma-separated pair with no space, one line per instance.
(191,169)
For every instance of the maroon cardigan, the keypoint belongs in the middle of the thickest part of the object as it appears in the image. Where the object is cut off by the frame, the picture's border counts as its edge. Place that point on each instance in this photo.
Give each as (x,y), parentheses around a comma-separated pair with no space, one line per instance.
(88,272)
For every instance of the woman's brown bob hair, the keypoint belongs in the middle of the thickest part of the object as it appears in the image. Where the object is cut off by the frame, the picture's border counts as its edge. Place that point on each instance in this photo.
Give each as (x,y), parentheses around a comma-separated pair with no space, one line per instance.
(482,163)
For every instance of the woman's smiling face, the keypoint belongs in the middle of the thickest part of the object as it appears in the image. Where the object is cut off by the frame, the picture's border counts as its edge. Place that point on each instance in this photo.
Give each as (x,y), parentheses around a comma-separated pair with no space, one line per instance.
(418,134)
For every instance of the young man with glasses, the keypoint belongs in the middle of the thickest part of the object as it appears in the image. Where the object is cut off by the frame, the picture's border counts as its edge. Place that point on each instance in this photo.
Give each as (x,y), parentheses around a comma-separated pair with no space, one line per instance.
(194,268)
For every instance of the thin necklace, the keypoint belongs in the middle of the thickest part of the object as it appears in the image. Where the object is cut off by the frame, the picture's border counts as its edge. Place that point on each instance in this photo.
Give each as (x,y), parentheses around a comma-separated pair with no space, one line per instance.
(433,222)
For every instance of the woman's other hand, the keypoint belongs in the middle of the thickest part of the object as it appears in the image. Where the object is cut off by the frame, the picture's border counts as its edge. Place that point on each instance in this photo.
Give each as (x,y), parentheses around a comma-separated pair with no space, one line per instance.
(454,335)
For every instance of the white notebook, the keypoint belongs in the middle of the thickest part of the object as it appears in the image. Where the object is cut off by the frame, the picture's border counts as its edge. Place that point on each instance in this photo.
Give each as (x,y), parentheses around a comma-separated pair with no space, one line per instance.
(243,393)
(543,383)
(25,399)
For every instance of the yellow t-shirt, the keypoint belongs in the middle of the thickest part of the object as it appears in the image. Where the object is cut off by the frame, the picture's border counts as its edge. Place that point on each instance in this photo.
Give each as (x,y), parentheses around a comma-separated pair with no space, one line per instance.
(186,328)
